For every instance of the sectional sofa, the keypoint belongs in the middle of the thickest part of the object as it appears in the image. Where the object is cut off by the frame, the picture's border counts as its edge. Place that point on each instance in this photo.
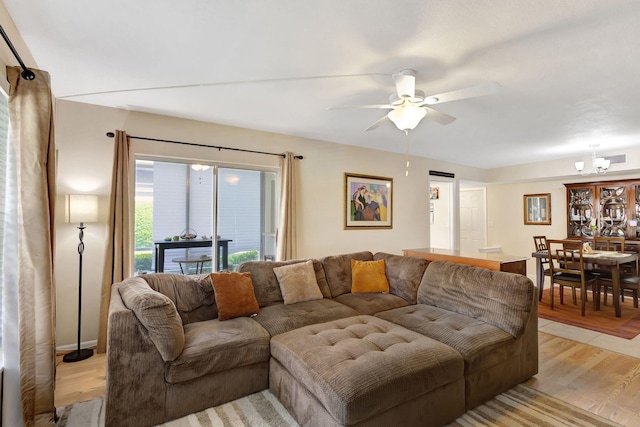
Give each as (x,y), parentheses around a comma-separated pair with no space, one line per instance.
(441,339)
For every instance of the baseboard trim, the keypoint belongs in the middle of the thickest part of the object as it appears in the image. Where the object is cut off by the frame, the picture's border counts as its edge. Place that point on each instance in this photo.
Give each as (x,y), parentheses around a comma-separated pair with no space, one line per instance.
(71,347)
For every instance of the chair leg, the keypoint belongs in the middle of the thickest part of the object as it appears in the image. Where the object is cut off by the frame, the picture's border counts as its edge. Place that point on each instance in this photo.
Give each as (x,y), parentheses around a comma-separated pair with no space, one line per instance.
(573,295)
(551,290)
(635,298)
(561,294)
(583,299)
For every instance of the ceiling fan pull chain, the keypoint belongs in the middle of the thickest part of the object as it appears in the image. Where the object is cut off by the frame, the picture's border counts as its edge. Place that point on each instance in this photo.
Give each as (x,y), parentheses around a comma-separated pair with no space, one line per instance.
(406,132)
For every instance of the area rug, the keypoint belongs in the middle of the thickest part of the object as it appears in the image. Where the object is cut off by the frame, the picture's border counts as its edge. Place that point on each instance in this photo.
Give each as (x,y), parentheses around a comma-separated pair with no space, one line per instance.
(520,406)
(603,320)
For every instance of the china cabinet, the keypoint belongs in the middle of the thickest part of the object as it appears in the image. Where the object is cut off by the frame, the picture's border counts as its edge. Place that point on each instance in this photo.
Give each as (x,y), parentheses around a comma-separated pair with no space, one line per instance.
(603,208)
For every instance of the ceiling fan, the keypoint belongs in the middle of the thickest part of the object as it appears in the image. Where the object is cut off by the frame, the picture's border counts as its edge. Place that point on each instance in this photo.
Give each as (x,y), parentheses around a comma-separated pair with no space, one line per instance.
(409,105)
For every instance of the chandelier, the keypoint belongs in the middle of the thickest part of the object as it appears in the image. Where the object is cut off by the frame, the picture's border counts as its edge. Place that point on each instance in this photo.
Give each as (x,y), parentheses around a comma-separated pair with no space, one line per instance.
(599,165)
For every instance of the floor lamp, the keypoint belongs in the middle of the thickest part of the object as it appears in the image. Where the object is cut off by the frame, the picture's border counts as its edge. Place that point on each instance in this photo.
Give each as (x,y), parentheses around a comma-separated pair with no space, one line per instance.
(80,208)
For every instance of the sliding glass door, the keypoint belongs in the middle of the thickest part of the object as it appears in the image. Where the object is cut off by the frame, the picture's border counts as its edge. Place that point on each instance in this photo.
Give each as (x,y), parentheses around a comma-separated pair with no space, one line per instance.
(176,226)
(247,213)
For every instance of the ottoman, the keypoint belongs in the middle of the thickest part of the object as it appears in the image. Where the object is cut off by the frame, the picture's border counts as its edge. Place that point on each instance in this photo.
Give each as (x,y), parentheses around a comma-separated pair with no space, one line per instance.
(362,371)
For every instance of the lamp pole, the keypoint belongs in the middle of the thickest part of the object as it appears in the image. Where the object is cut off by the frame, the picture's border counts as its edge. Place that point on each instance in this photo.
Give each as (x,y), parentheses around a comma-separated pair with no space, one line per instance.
(79,354)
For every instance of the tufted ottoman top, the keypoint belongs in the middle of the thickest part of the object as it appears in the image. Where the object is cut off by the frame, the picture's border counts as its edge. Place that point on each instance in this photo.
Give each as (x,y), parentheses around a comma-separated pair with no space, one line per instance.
(360,366)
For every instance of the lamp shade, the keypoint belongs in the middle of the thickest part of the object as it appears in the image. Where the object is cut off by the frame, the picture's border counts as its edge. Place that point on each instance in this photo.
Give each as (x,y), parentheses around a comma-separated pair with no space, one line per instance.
(407,118)
(81,208)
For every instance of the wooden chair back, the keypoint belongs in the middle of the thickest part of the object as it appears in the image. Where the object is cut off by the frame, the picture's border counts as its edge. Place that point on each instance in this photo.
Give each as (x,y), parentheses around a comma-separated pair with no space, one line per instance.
(568,269)
(540,242)
(609,243)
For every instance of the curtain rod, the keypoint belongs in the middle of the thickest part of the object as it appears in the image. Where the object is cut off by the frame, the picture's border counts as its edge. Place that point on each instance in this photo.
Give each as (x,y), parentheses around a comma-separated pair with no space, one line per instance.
(26,74)
(111,135)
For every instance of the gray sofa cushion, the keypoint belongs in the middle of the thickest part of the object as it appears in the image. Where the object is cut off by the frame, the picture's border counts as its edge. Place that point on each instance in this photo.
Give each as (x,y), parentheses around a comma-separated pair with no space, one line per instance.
(498,298)
(280,318)
(266,284)
(361,366)
(158,315)
(404,274)
(214,346)
(371,303)
(192,295)
(337,269)
(480,344)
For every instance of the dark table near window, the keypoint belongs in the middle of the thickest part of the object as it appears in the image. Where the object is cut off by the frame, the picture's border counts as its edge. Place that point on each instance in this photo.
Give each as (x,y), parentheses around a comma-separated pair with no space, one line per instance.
(223,250)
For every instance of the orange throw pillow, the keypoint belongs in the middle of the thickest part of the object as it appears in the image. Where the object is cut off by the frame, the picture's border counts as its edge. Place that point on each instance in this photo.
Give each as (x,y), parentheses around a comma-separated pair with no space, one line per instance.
(234,295)
(368,276)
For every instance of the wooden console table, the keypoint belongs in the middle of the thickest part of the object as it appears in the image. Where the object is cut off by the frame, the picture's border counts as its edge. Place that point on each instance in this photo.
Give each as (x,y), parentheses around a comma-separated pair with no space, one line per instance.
(489,260)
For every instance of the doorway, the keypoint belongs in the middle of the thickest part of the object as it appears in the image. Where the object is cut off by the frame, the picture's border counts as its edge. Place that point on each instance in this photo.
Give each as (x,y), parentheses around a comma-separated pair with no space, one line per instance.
(441,218)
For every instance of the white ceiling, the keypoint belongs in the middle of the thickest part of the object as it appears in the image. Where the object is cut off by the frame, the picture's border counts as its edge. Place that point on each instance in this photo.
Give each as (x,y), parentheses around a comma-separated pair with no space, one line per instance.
(569,70)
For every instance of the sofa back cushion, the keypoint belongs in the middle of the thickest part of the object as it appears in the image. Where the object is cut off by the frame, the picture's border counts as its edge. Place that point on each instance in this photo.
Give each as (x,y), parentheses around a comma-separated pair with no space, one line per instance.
(404,274)
(192,295)
(158,315)
(337,269)
(495,297)
(265,282)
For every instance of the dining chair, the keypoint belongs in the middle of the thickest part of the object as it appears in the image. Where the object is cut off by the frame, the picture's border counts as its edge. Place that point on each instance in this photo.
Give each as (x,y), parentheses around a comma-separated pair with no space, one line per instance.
(629,275)
(602,243)
(540,243)
(567,269)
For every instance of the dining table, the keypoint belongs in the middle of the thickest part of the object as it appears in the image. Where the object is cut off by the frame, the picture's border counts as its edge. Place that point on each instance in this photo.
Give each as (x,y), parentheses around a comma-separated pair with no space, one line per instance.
(163,245)
(611,259)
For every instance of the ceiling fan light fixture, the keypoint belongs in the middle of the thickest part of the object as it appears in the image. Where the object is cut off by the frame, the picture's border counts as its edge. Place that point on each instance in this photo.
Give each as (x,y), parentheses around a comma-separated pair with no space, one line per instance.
(407,118)
(431,100)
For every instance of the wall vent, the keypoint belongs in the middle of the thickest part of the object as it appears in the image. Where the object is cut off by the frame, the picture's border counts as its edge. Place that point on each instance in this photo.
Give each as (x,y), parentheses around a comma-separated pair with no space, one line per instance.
(617,159)
(442,174)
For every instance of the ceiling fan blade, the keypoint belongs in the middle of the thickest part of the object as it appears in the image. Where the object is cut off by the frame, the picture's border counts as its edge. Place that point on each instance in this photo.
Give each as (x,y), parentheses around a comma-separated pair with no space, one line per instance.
(381,106)
(469,92)
(405,82)
(378,123)
(439,117)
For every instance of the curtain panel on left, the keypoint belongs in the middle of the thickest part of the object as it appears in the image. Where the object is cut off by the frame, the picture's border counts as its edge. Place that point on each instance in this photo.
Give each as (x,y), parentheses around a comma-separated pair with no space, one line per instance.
(32,136)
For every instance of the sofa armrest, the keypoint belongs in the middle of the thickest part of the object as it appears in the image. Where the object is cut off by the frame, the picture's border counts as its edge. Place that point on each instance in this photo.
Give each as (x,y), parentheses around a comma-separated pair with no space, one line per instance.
(135,387)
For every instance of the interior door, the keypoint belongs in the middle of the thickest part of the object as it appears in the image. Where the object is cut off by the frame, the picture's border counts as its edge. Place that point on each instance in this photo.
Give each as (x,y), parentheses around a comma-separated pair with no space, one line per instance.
(473,219)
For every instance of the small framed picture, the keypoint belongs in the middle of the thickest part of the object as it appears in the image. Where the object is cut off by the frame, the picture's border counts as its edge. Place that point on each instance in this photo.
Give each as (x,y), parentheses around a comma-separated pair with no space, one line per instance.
(537,209)
(434,193)
(368,201)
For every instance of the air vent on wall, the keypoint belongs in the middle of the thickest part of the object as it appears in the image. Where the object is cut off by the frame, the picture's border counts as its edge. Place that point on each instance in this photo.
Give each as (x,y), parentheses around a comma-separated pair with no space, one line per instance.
(442,174)
(617,159)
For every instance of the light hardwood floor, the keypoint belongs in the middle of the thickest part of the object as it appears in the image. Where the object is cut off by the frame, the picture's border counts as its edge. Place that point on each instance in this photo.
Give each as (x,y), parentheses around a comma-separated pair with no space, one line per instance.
(597,380)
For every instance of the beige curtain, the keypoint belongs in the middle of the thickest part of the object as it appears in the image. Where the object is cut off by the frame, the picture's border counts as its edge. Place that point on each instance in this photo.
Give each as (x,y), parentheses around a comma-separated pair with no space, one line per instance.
(118,257)
(31,115)
(286,241)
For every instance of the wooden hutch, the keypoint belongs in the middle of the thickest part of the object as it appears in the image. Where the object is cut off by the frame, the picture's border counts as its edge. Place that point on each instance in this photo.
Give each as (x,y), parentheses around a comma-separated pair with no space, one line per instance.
(604,208)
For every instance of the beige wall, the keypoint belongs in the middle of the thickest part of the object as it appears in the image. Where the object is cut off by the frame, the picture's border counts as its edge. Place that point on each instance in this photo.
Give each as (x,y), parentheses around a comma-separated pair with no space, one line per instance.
(85,161)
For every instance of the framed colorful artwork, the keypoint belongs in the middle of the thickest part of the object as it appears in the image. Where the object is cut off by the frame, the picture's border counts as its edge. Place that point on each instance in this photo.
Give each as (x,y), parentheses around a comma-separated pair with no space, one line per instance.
(368,201)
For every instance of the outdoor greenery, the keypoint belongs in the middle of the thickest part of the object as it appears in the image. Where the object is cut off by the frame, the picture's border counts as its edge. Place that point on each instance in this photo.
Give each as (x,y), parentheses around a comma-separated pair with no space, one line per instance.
(144,224)
(240,257)
(142,261)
